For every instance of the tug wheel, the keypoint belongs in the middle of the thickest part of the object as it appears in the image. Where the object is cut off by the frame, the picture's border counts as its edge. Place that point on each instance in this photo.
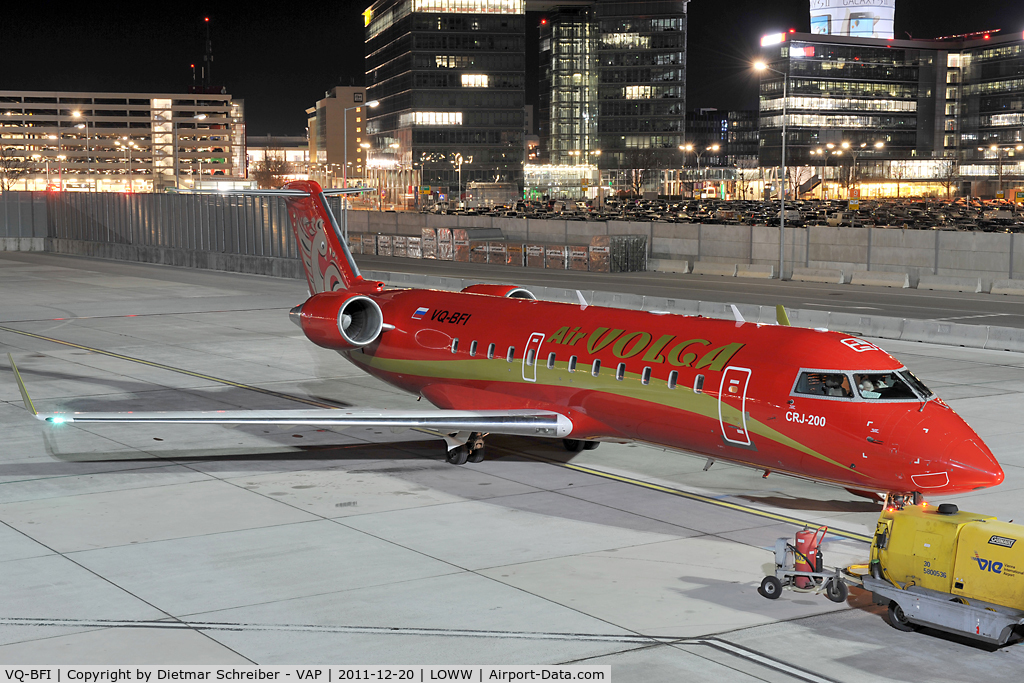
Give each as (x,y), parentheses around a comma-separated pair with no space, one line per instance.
(898,620)
(836,590)
(771,587)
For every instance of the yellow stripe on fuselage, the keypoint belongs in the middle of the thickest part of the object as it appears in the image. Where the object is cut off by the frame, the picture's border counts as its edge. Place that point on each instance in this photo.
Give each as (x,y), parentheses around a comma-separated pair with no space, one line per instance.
(497,370)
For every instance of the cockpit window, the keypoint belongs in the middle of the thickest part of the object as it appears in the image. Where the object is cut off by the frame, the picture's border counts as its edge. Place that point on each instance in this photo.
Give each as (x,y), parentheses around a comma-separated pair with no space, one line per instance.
(833,384)
(916,384)
(883,385)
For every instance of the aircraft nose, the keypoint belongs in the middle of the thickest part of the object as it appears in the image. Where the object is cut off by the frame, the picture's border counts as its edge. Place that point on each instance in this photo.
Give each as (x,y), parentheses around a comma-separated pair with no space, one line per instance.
(972,465)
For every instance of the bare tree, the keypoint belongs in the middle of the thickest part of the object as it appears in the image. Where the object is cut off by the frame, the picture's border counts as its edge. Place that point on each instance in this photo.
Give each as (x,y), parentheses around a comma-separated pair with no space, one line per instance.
(949,175)
(270,173)
(742,183)
(898,171)
(640,166)
(798,175)
(12,167)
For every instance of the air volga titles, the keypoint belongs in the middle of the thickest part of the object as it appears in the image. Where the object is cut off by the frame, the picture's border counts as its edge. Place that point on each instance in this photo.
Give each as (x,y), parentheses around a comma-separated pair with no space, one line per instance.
(668,348)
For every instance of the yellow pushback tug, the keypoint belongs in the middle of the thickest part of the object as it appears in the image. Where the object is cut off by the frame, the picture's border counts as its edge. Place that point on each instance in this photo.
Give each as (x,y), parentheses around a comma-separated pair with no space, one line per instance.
(955,571)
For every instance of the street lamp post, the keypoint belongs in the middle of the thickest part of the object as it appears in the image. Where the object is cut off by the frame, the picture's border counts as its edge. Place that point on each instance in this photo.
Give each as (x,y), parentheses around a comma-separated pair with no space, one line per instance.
(825,153)
(84,124)
(698,153)
(999,154)
(761,66)
(457,162)
(597,153)
(855,152)
(344,199)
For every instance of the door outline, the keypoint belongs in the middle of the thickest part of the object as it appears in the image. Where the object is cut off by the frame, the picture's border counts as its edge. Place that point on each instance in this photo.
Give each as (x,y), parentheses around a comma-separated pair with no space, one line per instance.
(538,339)
(722,391)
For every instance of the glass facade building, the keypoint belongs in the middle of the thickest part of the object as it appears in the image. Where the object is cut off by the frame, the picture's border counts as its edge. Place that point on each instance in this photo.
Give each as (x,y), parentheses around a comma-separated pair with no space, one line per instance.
(449,77)
(568,85)
(641,91)
(856,91)
(947,111)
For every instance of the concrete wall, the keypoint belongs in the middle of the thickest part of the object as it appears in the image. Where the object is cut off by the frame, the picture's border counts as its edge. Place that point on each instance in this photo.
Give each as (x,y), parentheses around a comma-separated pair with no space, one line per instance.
(258,226)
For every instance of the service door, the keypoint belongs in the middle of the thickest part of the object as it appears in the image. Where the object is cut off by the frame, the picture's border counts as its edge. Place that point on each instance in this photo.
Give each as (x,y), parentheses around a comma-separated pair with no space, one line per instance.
(732,405)
(531,356)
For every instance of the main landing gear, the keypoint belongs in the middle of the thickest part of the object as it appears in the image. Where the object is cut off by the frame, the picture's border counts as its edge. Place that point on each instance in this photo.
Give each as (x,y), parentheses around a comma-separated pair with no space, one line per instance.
(577,445)
(471,451)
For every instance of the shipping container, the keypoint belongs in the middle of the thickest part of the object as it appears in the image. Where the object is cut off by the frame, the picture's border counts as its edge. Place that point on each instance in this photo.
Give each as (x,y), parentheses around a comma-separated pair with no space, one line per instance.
(534,256)
(428,243)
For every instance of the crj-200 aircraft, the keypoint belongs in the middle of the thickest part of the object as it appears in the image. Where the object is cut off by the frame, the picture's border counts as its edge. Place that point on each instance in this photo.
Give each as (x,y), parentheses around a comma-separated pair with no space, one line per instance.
(810,403)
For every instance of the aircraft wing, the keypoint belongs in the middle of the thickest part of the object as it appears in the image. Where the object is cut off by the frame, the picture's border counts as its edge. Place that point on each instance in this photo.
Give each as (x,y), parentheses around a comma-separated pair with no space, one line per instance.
(515,422)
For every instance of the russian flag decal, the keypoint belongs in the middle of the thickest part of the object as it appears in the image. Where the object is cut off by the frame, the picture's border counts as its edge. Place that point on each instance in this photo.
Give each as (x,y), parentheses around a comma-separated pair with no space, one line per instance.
(420,312)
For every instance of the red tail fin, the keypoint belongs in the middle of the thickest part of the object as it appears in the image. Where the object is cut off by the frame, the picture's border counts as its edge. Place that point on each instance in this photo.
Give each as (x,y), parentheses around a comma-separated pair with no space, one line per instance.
(325,256)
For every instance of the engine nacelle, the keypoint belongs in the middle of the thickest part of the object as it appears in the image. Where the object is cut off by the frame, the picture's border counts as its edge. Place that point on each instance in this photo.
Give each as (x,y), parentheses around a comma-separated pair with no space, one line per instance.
(507,291)
(339,320)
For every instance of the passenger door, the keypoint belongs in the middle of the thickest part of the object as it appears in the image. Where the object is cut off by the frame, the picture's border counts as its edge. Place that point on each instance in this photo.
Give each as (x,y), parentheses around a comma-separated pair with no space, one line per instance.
(530,356)
(733,394)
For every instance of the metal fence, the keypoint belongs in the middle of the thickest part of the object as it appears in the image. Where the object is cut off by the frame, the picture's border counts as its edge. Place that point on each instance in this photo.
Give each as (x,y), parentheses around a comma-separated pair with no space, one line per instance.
(228,224)
(23,214)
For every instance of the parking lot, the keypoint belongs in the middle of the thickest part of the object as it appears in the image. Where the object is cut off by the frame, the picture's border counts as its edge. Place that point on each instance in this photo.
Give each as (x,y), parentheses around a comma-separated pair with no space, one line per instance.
(915,214)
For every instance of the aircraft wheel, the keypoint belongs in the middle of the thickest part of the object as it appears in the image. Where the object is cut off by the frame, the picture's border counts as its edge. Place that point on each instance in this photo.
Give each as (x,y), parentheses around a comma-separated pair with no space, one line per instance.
(477,455)
(590,445)
(574,445)
(836,591)
(458,455)
(771,587)
(898,620)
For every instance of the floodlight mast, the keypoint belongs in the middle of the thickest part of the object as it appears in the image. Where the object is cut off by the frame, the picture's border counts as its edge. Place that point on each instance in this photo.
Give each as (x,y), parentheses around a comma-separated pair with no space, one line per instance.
(761,66)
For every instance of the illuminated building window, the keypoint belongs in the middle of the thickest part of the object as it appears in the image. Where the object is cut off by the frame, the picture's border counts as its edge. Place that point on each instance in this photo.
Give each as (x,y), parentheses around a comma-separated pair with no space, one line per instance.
(634,40)
(469,6)
(431,118)
(359,130)
(451,61)
(637,92)
(475,81)
(359,119)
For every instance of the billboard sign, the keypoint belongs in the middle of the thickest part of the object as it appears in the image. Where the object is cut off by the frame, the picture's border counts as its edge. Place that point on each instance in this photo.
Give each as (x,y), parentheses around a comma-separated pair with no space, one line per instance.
(854,18)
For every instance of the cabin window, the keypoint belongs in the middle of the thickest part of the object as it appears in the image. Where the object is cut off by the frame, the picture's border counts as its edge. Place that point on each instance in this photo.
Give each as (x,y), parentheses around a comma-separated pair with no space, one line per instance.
(620,372)
(645,378)
(455,345)
(490,351)
(571,366)
(673,378)
(698,384)
(595,369)
(530,356)
(882,385)
(833,384)
(551,361)
(511,354)
(472,348)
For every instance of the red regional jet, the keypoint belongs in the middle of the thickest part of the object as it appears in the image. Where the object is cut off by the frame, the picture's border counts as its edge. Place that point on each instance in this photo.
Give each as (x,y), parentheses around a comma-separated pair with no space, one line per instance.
(809,403)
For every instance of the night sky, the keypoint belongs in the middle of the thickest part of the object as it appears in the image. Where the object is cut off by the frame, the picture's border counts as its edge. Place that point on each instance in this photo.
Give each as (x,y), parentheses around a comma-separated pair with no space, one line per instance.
(281,58)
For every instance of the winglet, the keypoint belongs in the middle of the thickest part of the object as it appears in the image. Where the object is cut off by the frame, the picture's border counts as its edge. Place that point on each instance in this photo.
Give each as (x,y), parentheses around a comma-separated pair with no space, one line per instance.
(583,301)
(21,385)
(736,313)
(781,316)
